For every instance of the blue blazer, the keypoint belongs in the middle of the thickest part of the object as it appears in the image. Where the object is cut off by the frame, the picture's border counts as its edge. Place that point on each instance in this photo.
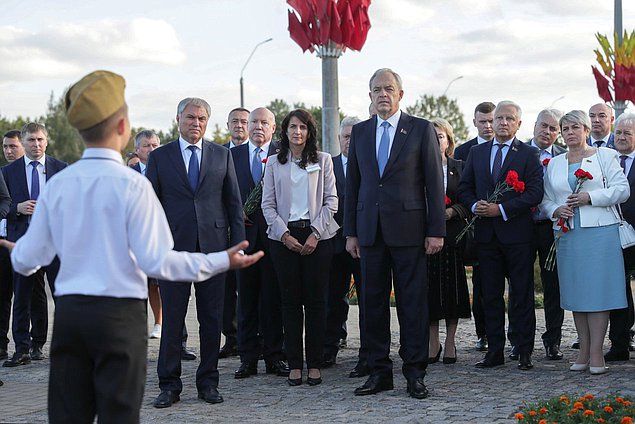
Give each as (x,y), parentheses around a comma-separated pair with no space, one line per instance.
(15,178)
(340,186)
(136,167)
(240,154)
(408,199)
(462,152)
(211,216)
(610,144)
(477,184)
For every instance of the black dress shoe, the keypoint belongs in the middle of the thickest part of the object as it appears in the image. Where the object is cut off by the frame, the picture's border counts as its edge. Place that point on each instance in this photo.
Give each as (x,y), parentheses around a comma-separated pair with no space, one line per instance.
(227,350)
(373,385)
(294,381)
(166,398)
(417,389)
(279,368)
(513,354)
(447,360)
(553,352)
(18,359)
(481,344)
(1,383)
(210,395)
(4,354)
(246,369)
(491,359)
(36,353)
(436,358)
(614,355)
(576,344)
(314,381)
(329,360)
(187,354)
(361,370)
(524,362)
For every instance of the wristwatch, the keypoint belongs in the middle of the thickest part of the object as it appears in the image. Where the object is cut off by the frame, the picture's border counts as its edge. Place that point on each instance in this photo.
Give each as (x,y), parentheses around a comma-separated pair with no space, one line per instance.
(316,235)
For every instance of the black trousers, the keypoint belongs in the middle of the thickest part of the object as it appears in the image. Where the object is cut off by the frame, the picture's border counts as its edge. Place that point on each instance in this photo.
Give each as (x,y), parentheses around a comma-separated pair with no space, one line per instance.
(259,312)
(98,360)
(407,267)
(303,287)
(230,323)
(554,314)
(497,261)
(6,294)
(343,266)
(477,302)
(621,320)
(209,312)
(30,307)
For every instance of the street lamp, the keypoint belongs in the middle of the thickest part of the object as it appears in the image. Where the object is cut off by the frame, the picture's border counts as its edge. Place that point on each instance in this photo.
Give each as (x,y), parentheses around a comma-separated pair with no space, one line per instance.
(242,102)
(450,83)
(557,100)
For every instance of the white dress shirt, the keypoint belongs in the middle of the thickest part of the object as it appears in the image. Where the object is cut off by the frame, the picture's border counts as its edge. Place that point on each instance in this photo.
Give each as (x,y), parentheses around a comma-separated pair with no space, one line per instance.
(344,163)
(41,170)
(392,129)
(142,167)
(264,149)
(187,153)
(299,193)
(105,223)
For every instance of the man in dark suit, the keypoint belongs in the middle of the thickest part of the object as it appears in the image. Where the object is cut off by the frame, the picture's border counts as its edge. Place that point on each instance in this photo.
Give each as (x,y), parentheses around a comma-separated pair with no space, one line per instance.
(237,122)
(602,118)
(504,233)
(621,320)
(25,178)
(196,183)
(343,266)
(394,215)
(259,301)
(12,149)
(546,132)
(484,123)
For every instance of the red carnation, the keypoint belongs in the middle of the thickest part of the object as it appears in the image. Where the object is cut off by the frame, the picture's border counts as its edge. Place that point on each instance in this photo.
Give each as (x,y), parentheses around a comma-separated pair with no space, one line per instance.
(588,175)
(448,201)
(519,186)
(546,162)
(580,173)
(264,160)
(565,229)
(512,178)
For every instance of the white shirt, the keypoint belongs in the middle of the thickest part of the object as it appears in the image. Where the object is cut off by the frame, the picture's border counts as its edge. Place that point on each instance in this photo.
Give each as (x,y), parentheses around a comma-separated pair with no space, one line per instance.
(3,228)
(41,170)
(392,129)
(481,140)
(105,223)
(628,164)
(344,162)
(264,149)
(187,153)
(299,193)
(142,167)
(604,141)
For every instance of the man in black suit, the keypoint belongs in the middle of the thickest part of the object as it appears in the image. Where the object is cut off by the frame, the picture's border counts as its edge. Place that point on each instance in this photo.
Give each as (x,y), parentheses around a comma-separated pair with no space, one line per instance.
(393,217)
(196,183)
(504,233)
(12,149)
(621,320)
(259,301)
(237,122)
(484,123)
(25,178)
(546,132)
(343,266)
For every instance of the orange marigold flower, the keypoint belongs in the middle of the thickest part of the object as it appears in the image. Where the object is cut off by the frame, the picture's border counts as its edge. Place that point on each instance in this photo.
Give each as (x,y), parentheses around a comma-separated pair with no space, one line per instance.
(588,413)
(578,405)
(519,416)
(588,396)
(619,399)
(627,420)
(608,409)
(543,410)
(542,422)
(574,410)
(532,413)
(627,403)
(565,399)
(601,420)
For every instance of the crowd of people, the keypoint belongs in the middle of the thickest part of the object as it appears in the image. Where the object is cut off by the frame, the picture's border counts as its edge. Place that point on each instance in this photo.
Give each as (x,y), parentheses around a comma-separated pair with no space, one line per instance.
(384,214)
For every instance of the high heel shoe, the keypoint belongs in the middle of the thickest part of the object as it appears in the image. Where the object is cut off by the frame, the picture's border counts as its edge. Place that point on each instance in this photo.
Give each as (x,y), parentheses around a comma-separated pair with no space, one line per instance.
(578,367)
(295,381)
(598,370)
(314,381)
(436,358)
(448,360)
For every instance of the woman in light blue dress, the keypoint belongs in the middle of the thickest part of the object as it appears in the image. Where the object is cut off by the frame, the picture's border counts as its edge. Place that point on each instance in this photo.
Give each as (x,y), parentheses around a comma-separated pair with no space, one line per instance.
(589,254)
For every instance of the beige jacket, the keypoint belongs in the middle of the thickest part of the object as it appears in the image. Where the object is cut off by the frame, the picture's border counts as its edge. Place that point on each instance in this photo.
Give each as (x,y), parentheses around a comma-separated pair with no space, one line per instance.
(276,197)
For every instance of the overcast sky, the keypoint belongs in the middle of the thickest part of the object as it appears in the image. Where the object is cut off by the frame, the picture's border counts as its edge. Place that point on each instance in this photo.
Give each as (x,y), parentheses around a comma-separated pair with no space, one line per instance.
(535,52)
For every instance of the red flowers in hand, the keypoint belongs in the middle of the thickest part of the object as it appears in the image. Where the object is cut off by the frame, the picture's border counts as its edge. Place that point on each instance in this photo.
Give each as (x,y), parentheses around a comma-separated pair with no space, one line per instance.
(513,181)
(582,174)
(448,201)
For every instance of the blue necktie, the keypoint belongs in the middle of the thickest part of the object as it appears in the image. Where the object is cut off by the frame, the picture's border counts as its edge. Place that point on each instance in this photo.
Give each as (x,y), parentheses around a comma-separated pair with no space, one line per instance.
(35,181)
(192,170)
(498,162)
(256,166)
(382,154)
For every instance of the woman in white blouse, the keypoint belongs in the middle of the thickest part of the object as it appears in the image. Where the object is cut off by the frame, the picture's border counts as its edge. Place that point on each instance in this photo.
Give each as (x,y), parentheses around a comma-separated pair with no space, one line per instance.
(298,202)
(589,255)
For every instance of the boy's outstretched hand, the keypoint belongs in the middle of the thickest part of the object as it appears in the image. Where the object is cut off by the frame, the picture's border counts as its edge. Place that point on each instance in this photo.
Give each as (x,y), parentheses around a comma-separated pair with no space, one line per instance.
(238,259)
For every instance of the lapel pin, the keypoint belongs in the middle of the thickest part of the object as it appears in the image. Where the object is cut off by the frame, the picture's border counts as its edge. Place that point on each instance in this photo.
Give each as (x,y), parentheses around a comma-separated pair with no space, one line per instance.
(403,131)
(514,148)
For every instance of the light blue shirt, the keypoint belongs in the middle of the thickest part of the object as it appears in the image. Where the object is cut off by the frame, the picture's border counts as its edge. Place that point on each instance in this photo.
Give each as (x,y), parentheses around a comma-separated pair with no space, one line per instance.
(392,129)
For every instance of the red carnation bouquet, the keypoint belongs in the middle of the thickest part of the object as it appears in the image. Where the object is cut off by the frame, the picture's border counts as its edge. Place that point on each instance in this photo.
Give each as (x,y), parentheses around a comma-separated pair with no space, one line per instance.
(511,183)
(580,177)
(252,204)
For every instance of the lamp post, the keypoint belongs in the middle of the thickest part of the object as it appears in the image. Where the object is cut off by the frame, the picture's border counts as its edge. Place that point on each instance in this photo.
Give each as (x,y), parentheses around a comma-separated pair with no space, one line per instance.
(242,100)
(557,100)
(450,83)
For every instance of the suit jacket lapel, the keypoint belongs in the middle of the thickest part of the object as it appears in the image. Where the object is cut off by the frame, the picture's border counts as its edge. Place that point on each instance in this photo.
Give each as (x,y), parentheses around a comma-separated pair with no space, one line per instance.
(401,134)
(367,153)
(338,170)
(22,183)
(513,150)
(453,179)
(631,174)
(177,159)
(207,158)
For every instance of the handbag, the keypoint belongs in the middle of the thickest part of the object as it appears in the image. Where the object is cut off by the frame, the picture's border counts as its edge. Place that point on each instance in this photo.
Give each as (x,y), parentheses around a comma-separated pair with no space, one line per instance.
(626,230)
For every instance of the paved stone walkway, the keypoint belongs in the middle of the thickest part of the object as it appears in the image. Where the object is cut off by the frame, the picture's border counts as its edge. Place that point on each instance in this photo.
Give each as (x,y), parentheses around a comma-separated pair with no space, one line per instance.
(460,393)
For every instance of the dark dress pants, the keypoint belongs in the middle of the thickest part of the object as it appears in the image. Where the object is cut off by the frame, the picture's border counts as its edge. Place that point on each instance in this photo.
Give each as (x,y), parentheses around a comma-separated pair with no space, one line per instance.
(209,312)
(98,360)
(477,302)
(6,294)
(554,314)
(498,260)
(303,287)
(259,312)
(621,320)
(343,267)
(408,268)
(230,323)
(30,307)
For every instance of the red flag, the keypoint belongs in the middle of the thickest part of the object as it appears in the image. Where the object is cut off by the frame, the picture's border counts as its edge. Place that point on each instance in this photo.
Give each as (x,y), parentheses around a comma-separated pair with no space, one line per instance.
(603,85)
(302,7)
(336,26)
(624,83)
(362,25)
(347,25)
(298,33)
(324,21)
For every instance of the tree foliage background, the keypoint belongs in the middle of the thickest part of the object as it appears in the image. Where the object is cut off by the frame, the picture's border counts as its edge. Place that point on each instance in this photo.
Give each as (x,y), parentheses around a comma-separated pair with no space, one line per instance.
(429,107)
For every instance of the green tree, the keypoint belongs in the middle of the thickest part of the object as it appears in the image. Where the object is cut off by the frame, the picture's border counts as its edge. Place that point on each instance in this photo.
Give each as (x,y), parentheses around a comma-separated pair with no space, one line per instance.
(64,141)
(220,135)
(429,107)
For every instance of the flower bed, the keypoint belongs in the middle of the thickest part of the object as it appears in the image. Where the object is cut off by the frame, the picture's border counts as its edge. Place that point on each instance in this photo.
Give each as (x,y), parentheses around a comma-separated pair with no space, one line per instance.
(584,409)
